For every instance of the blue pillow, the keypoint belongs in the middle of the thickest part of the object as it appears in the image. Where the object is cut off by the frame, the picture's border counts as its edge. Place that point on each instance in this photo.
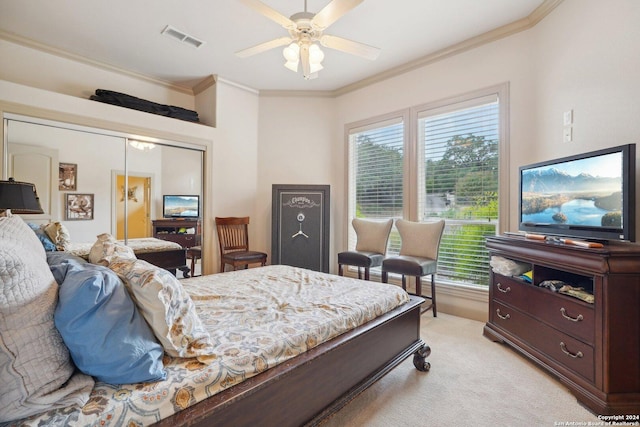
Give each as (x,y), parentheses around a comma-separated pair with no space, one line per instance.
(44,239)
(106,335)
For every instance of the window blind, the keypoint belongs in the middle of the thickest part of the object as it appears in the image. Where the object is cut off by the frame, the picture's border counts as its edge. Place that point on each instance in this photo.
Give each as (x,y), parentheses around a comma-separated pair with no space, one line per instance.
(376,162)
(459,180)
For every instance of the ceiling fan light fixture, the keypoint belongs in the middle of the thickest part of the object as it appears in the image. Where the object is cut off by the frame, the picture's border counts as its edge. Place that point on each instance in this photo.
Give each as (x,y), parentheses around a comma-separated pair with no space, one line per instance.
(306,33)
(316,55)
(291,53)
(314,68)
(292,65)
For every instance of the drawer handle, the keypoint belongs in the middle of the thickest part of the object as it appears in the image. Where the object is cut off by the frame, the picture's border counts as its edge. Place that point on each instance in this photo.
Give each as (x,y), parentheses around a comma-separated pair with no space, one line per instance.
(499,286)
(573,319)
(505,317)
(577,355)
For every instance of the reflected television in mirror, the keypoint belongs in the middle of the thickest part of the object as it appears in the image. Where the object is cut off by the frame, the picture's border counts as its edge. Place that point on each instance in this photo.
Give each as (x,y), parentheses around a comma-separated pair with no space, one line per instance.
(590,195)
(180,206)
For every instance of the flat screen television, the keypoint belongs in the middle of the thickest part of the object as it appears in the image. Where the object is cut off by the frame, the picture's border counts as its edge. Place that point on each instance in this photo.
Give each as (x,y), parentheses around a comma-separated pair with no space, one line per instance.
(590,195)
(180,206)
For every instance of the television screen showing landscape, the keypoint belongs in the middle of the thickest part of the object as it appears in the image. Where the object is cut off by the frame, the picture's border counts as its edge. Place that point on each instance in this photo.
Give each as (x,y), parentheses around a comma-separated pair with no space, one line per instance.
(585,192)
(177,206)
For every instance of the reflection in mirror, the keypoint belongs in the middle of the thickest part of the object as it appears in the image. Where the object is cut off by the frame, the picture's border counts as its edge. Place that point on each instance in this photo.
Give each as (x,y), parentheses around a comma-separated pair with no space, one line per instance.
(159,169)
(32,147)
(121,179)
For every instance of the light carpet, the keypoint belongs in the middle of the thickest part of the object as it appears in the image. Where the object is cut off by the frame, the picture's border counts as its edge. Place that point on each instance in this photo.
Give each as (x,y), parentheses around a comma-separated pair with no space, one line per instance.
(472,382)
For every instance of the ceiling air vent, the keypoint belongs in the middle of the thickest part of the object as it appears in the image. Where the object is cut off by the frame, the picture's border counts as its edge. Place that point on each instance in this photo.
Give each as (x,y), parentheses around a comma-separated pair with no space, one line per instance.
(181,36)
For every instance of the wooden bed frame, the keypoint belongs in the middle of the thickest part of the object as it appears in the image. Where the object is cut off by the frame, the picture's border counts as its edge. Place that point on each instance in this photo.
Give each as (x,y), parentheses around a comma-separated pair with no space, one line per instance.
(318,383)
(170,259)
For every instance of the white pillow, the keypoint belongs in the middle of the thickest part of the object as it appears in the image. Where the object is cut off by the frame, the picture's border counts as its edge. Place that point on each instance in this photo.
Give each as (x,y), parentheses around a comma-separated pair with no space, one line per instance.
(36,371)
(166,307)
(107,247)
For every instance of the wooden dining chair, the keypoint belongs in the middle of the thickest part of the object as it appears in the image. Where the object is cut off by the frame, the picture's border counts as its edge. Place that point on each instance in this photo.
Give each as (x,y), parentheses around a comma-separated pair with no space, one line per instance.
(194,253)
(233,237)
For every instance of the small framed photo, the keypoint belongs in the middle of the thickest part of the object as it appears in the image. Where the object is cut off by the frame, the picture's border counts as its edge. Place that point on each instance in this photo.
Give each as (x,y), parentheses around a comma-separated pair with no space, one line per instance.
(78,206)
(67,176)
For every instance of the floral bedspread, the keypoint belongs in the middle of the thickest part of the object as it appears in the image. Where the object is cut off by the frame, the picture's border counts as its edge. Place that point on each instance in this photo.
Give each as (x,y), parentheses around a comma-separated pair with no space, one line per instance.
(257,319)
(140,245)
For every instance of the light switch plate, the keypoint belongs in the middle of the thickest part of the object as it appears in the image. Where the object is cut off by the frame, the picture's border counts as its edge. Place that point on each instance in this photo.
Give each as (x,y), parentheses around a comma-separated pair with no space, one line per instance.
(568,118)
(568,134)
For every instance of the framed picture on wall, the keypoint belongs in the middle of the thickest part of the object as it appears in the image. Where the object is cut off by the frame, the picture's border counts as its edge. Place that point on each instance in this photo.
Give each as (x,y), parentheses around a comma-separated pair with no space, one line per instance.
(67,176)
(78,206)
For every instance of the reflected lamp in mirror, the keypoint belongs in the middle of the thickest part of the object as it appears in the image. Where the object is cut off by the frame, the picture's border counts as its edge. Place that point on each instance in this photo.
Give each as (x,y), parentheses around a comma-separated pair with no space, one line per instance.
(141,145)
(19,197)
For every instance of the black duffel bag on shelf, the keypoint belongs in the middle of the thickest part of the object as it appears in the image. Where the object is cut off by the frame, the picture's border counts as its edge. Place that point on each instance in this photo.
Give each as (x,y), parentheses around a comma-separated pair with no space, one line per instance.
(128,101)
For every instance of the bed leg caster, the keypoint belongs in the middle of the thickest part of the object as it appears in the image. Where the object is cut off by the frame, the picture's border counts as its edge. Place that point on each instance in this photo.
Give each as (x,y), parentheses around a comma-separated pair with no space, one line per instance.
(419,358)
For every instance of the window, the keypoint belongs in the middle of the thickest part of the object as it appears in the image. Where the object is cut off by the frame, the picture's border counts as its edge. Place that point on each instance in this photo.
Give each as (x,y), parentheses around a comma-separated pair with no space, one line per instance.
(448,169)
(459,182)
(376,173)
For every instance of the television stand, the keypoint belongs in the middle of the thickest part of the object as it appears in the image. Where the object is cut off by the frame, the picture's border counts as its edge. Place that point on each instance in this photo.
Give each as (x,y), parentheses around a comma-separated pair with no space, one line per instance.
(170,229)
(592,348)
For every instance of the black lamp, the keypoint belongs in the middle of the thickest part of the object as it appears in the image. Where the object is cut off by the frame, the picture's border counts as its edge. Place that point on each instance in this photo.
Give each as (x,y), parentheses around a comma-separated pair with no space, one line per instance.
(20,197)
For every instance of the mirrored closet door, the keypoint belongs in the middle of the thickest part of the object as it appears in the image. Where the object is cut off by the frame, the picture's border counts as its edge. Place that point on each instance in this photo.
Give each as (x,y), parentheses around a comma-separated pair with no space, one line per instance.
(98,181)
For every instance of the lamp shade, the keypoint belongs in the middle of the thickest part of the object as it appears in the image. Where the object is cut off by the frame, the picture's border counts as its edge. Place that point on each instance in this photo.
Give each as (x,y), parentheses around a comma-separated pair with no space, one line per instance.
(20,197)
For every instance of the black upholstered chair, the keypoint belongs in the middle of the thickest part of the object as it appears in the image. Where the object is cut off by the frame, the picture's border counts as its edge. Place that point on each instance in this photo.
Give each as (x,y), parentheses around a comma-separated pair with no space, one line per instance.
(371,246)
(418,256)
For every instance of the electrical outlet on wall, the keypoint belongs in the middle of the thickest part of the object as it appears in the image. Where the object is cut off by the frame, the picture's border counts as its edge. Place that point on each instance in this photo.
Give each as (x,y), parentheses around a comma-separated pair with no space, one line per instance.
(568,134)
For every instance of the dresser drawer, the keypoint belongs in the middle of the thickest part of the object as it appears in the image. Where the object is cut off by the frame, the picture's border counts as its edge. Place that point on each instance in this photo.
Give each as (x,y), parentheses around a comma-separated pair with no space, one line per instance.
(511,291)
(571,353)
(570,316)
(184,240)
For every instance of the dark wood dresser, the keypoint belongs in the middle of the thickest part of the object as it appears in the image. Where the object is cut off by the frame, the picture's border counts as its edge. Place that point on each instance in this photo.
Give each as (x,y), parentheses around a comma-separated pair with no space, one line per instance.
(593,348)
(170,229)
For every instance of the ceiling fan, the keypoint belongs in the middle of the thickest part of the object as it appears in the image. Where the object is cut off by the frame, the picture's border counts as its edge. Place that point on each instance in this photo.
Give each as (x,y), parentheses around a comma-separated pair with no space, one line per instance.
(306,30)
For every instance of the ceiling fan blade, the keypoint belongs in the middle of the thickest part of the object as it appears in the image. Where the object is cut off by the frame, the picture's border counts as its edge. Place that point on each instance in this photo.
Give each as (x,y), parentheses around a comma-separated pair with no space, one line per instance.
(262,47)
(270,13)
(333,11)
(349,46)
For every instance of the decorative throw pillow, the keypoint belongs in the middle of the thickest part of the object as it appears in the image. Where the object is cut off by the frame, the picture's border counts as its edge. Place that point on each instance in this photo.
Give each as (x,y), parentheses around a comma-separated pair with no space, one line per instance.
(42,236)
(106,335)
(36,372)
(58,234)
(166,306)
(106,247)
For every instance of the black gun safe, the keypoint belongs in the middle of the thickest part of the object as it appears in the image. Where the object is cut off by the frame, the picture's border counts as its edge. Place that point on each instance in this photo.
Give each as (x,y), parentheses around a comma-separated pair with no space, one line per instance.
(300,226)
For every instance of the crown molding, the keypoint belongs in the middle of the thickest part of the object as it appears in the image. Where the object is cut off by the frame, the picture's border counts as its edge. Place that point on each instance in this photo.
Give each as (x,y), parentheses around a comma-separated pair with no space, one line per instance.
(490,36)
(298,93)
(523,24)
(204,84)
(14,38)
(237,85)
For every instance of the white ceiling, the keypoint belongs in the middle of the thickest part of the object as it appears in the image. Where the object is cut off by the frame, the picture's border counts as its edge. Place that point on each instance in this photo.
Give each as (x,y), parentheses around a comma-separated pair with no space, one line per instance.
(127,34)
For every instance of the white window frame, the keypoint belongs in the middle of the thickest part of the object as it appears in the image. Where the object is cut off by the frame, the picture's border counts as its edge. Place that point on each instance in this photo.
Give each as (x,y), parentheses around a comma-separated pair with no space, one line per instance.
(411,188)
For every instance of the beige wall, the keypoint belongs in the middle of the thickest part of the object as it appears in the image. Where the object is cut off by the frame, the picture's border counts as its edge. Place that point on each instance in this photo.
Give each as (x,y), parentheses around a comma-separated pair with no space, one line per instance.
(296,146)
(583,56)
